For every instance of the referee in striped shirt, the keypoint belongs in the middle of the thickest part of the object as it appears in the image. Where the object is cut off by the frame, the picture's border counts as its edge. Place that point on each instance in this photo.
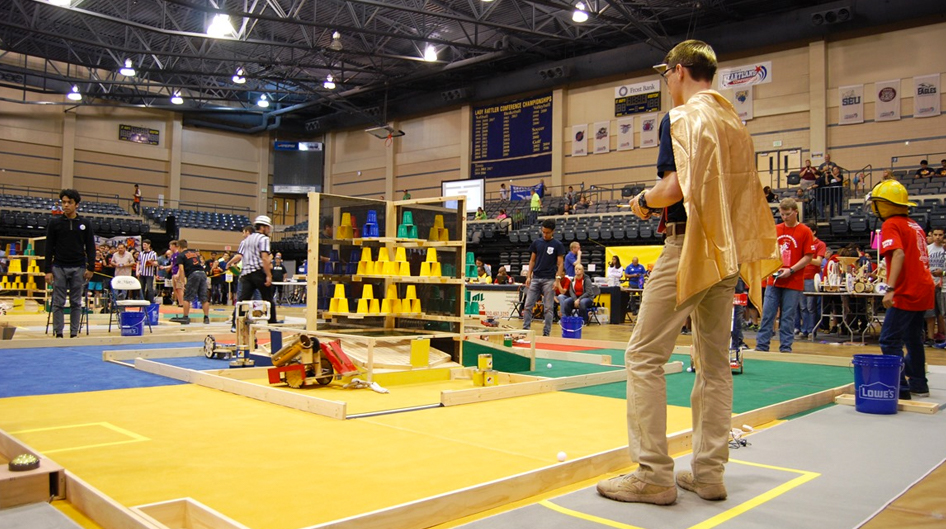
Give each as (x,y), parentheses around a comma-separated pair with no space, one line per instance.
(147,268)
(258,265)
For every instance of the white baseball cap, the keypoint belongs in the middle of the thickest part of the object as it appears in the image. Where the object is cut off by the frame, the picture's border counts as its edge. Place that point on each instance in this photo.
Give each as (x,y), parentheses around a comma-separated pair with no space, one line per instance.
(263,219)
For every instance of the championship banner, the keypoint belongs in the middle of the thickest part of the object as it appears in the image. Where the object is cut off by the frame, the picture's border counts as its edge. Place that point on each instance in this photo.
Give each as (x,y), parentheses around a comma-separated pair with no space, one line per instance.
(926,96)
(626,134)
(649,126)
(579,140)
(742,101)
(602,137)
(887,107)
(743,76)
(851,110)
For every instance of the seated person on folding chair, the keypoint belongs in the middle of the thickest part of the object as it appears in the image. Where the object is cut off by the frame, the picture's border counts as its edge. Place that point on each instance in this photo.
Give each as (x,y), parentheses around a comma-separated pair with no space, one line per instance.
(580,293)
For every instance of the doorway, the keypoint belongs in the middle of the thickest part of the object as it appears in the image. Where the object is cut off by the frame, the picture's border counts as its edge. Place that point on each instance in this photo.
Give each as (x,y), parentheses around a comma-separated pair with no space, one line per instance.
(284,210)
(775,166)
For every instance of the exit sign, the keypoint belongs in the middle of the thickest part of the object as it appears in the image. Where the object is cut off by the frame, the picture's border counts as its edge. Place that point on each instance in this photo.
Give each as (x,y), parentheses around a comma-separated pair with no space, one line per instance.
(777,143)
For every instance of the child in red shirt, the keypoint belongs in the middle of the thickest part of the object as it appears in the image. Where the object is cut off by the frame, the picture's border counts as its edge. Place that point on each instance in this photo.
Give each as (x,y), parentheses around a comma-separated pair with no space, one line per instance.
(909,284)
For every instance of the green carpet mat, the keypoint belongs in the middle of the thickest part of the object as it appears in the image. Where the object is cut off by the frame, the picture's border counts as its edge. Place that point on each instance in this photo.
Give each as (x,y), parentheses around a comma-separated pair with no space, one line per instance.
(762,384)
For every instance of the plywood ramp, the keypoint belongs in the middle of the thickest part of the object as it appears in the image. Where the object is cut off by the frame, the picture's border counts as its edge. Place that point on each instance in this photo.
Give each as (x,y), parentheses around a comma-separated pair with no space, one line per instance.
(390,355)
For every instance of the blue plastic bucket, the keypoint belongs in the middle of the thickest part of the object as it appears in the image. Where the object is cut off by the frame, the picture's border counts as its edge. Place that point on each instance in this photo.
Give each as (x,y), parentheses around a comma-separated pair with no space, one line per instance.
(571,326)
(876,383)
(132,323)
(154,313)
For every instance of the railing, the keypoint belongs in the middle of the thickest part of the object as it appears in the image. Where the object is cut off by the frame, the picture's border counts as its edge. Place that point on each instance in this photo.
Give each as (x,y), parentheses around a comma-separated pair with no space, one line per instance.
(124,203)
(932,157)
(594,192)
(863,180)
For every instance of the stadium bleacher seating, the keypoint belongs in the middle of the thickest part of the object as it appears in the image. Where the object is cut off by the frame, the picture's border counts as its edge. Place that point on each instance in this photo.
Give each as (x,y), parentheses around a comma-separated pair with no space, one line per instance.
(203,220)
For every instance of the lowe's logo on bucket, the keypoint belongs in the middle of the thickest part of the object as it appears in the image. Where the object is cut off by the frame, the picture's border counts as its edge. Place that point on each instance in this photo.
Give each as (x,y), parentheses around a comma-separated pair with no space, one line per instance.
(877,391)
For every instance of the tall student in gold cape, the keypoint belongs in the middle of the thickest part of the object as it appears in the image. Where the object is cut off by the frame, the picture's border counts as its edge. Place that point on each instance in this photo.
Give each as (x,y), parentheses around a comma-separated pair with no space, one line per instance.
(718,226)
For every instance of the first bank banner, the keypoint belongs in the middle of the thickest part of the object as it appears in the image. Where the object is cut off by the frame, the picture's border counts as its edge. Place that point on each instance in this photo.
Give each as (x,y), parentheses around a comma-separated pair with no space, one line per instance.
(851,109)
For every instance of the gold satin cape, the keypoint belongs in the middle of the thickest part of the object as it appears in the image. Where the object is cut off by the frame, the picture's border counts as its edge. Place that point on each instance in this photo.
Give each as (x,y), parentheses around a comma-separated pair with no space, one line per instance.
(729,224)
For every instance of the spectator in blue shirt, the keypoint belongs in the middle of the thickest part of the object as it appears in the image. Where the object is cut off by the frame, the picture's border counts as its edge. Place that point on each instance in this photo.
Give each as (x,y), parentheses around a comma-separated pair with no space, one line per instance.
(635,274)
(572,258)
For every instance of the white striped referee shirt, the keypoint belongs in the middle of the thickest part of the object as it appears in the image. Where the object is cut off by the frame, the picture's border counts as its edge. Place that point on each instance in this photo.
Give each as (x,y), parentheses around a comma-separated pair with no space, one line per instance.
(253,247)
(145,269)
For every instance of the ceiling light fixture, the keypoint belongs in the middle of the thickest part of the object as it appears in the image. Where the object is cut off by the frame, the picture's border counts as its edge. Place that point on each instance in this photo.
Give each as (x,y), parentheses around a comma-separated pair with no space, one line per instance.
(329,82)
(128,70)
(430,54)
(238,76)
(74,95)
(580,15)
(63,3)
(336,43)
(263,101)
(220,26)
(176,98)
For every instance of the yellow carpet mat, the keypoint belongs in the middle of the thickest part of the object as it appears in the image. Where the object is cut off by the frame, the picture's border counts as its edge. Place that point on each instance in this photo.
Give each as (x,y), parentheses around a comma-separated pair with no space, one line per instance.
(366,401)
(270,467)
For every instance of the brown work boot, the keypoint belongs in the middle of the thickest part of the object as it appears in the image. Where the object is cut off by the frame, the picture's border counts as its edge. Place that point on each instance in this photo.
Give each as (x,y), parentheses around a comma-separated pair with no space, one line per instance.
(707,491)
(630,488)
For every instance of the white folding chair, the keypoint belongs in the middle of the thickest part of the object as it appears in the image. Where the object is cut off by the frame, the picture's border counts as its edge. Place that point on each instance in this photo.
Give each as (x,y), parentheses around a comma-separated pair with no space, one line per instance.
(128,284)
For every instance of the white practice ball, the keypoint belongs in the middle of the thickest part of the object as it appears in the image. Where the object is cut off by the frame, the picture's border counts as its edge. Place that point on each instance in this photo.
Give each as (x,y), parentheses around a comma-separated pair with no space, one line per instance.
(549,366)
(562,456)
(689,370)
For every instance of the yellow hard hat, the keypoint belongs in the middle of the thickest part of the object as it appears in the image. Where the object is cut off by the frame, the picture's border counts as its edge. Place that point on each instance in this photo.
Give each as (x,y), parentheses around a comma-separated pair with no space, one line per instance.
(892,191)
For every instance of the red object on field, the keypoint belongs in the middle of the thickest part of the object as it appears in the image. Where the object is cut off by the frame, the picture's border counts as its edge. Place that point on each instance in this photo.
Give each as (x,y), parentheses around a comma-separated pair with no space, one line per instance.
(274,372)
(339,360)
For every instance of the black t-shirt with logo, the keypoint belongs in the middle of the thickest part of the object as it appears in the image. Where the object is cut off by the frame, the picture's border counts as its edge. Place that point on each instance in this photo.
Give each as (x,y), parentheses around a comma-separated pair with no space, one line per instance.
(190,260)
(279,272)
(546,257)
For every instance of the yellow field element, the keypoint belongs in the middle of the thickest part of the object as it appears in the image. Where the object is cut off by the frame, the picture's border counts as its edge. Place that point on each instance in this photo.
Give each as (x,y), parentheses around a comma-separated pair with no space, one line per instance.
(715,520)
(54,439)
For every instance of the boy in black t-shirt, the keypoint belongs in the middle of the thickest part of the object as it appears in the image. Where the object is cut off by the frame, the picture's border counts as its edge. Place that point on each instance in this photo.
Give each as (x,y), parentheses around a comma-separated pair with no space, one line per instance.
(546,267)
(191,267)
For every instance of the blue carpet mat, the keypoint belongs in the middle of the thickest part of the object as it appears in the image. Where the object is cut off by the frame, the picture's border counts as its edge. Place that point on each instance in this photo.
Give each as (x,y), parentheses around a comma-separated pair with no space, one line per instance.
(55,370)
(198,363)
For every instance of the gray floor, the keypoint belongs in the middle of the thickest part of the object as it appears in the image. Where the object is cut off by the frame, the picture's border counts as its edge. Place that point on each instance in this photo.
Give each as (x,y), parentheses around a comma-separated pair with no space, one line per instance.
(863,462)
(35,516)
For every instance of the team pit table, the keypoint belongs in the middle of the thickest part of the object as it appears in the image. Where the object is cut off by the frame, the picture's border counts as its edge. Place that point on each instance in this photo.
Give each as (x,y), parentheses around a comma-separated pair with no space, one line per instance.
(866,308)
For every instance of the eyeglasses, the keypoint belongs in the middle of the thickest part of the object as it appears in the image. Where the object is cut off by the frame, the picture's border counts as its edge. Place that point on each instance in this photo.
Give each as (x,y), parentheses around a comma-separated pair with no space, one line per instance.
(664,69)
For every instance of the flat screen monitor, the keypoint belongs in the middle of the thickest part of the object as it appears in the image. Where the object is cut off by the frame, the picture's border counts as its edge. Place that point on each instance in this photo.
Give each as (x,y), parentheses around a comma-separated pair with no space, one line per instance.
(474,190)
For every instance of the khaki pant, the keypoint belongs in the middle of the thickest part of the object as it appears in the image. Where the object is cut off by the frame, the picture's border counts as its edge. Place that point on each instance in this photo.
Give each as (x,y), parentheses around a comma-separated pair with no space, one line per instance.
(652,341)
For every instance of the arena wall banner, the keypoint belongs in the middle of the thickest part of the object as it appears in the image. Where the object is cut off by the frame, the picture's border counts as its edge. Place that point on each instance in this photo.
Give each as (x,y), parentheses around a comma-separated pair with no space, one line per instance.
(626,134)
(602,137)
(851,104)
(742,101)
(580,140)
(887,106)
(649,126)
(926,96)
(742,76)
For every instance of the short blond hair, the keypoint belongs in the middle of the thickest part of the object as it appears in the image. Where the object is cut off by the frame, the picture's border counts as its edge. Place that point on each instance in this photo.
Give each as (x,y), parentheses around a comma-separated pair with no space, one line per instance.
(788,203)
(696,55)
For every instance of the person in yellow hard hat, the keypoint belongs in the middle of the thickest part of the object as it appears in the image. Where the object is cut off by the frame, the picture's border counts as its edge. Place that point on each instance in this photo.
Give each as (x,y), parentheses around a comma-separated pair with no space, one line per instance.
(909,284)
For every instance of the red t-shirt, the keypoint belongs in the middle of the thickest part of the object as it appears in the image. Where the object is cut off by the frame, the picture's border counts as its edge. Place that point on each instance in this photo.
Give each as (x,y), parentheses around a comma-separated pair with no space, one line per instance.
(820,249)
(793,243)
(914,288)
